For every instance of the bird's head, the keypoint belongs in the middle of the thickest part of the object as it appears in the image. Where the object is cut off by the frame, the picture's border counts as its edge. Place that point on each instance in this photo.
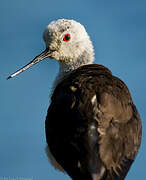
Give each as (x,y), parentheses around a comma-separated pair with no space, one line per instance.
(66,41)
(67,38)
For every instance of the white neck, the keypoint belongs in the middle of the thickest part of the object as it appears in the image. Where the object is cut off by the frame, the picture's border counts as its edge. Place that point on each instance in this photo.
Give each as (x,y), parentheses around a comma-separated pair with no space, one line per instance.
(87,57)
(66,67)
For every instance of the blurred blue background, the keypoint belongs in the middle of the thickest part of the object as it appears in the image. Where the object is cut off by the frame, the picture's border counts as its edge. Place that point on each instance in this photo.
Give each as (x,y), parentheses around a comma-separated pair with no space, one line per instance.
(118,31)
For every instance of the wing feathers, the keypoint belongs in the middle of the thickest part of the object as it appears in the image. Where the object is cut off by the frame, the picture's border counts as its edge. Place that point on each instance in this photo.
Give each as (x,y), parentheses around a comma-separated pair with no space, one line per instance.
(93,118)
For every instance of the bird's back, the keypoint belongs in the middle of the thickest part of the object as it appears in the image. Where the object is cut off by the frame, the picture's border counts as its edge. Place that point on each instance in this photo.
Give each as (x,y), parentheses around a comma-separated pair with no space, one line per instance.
(93,128)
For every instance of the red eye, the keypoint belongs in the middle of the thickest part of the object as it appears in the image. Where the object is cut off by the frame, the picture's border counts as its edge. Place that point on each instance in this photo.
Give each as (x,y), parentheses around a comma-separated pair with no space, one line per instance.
(67,37)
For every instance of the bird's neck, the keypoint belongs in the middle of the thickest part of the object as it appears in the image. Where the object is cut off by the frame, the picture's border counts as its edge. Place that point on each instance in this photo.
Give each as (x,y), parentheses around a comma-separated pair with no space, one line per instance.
(87,57)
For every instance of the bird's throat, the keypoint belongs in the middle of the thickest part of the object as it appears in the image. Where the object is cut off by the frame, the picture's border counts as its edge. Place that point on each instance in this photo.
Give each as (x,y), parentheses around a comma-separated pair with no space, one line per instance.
(87,57)
(65,68)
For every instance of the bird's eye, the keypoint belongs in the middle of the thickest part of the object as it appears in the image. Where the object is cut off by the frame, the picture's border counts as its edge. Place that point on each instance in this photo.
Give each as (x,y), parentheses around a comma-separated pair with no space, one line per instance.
(67,37)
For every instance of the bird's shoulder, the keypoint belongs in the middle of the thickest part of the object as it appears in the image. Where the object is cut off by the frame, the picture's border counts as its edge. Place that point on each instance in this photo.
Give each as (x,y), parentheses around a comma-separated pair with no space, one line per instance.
(90,80)
(93,91)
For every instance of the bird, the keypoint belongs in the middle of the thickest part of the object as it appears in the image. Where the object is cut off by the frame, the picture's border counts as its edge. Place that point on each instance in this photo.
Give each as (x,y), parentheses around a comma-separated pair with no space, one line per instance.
(93,128)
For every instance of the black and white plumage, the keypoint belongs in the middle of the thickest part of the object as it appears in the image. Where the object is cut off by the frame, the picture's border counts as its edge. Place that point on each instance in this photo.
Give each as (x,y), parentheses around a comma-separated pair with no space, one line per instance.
(93,128)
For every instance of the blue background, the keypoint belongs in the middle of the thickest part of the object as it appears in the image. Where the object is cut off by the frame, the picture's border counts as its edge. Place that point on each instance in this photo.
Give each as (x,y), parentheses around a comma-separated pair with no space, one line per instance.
(118,31)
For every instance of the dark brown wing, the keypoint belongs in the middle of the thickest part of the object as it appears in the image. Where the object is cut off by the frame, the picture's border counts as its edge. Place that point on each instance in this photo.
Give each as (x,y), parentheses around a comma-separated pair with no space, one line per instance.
(92,127)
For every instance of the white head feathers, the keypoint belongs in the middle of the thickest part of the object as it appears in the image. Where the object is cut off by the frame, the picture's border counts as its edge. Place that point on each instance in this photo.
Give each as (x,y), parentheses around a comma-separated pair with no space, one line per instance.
(77,50)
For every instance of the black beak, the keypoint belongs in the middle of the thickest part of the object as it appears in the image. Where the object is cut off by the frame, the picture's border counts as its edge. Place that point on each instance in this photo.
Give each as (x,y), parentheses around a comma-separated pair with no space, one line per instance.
(40,57)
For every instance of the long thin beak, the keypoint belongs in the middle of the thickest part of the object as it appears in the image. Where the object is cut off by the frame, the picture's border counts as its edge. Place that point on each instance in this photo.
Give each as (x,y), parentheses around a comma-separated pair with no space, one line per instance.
(40,57)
